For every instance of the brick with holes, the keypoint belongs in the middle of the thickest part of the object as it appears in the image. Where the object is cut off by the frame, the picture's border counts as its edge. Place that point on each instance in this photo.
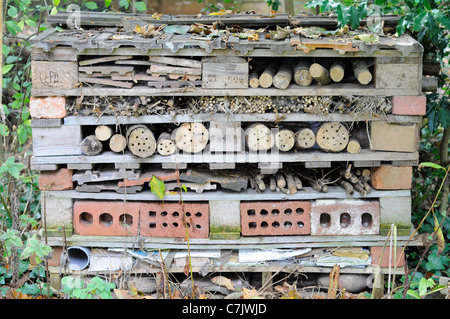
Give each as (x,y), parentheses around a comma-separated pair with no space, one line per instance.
(106,218)
(345,217)
(167,220)
(275,218)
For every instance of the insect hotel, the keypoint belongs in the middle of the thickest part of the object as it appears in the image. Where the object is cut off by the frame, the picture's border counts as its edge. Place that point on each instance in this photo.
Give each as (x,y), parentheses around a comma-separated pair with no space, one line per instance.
(238,144)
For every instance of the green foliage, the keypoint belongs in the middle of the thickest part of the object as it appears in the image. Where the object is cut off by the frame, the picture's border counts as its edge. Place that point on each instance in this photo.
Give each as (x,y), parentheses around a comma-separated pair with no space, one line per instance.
(96,288)
(157,187)
(275,4)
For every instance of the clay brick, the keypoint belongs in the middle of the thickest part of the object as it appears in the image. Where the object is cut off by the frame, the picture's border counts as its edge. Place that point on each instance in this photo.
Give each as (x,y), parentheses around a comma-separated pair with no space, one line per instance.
(409,105)
(52,107)
(394,137)
(375,254)
(54,260)
(275,218)
(167,220)
(106,218)
(345,217)
(391,177)
(56,180)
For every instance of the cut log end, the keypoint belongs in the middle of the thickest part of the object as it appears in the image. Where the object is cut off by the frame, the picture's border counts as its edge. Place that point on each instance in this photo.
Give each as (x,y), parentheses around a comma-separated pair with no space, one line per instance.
(259,137)
(285,140)
(103,132)
(91,146)
(191,137)
(332,137)
(305,138)
(117,143)
(141,141)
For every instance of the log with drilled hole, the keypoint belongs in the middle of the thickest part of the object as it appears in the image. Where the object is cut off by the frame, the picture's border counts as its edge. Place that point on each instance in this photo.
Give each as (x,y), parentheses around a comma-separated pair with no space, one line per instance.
(285,140)
(305,138)
(332,137)
(165,145)
(117,143)
(141,141)
(301,73)
(320,74)
(259,137)
(191,137)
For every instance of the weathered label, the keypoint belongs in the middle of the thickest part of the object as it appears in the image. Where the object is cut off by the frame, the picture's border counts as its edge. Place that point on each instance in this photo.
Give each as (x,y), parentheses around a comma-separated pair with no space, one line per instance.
(54,75)
(225,75)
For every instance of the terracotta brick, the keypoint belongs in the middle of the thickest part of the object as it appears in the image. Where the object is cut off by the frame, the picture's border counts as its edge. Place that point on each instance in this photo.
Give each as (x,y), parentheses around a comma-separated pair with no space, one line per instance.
(391,177)
(58,180)
(167,220)
(52,107)
(275,218)
(55,259)
(106,218)
(409,105)
(345,217)
(375,254)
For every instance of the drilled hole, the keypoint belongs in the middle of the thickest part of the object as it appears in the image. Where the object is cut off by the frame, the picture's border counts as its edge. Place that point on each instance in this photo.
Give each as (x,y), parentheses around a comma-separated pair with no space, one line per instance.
(188,214)
(175,214)
(276,224)
(106,219)
(275,211)
(287,224)
(164,224)
(152,213)
(152,225)
(366,220)
(288,211)
(251,212)
(164,213)
(198,226)
(175,224)
(345,220)
(299,210)
(325,220)
(198,214)
(264,212)
(264,224)
(86,218)
(300,224)
(252,225)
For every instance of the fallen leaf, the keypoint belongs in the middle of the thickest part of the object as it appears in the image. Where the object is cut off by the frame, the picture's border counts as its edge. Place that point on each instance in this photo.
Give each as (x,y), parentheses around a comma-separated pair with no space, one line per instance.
(368,38)
(222,281)
(251,293)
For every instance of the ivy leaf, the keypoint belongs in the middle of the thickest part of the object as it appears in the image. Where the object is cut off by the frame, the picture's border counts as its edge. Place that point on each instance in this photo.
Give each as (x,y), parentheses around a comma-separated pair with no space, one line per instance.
(12,11)
(157,187)
(140,6)
(343,15)
(107,3)
(91,5)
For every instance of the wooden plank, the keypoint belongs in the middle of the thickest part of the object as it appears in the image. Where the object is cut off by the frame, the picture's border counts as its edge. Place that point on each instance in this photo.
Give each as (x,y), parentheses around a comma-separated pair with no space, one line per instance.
(293,90)
(54,75)
(55,141)
(123,84)
(35,122)
(189,63)
(160,69)
(105,59)
(106,70)
(400,73)
(225,75)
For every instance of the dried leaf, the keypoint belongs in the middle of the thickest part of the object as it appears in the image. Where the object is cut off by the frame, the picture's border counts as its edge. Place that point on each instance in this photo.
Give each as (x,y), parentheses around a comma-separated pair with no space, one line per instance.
(187,266)
(440,237)
(368,38)
(251,293)
(222,281)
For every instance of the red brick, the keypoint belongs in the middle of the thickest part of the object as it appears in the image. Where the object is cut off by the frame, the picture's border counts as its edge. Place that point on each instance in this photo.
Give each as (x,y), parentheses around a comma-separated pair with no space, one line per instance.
(375,254)
(275,218)
(345,217)
(409,105)
(105,218)
(55,259)
(58,180)
(167,220)
(52,107)
(391,177)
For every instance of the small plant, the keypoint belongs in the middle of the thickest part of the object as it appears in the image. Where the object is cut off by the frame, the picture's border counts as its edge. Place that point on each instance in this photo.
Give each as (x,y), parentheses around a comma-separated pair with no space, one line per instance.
(96,288)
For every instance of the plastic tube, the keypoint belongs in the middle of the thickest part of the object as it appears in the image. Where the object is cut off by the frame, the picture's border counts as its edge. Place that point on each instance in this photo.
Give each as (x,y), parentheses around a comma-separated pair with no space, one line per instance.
(78,257)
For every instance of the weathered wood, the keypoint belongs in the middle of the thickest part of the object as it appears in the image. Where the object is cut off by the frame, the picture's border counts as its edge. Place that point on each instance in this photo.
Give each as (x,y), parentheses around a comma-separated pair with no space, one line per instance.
(332,137)
(91,146)
(394,137)
(104,59)
(283,77)
(118,143)
(362,72)
(400,74)
(103,132)
(177,61)
(165,145)
(162,69)
(281,181)
(106,70)
(337,71)
(121,84)
(291,183)
(305,138)
(285,140)
(225,74)
(50,141)
(54,75)
(191,137)
(141,141)
(320,74)
(301,73)
(266,77)
(259,137)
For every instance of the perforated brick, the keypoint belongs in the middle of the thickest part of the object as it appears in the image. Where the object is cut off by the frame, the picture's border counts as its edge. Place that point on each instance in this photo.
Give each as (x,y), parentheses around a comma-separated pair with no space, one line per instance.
(345,217)
(275,218)
(167,220)
(106,218)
